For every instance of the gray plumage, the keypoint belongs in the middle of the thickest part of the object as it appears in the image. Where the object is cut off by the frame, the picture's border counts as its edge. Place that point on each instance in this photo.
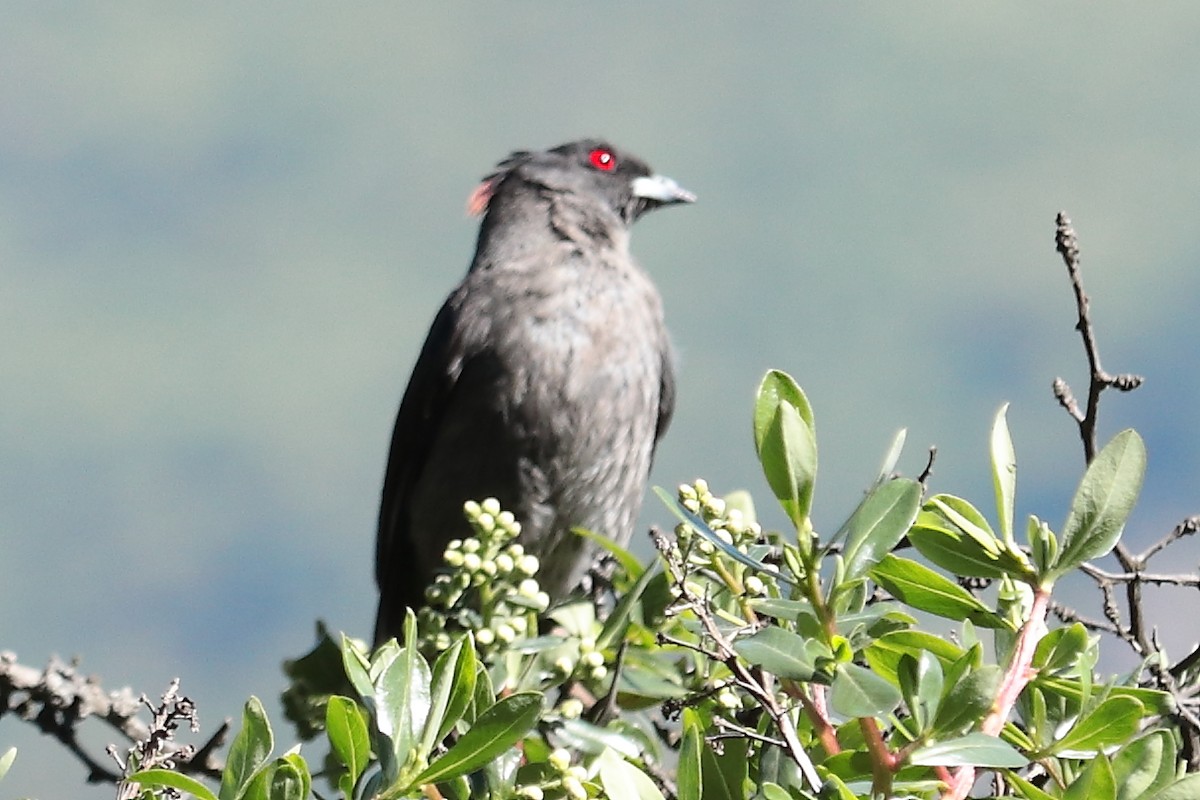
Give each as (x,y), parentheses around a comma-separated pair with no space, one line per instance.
(545,381)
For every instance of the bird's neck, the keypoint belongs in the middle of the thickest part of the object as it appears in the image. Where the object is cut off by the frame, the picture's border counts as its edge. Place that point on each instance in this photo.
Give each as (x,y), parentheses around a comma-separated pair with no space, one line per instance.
(542,223)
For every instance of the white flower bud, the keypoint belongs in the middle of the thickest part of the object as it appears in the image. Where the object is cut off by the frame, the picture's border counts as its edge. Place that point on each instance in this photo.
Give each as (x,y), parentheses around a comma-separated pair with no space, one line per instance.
(574,788)
(560,760)
(571,708)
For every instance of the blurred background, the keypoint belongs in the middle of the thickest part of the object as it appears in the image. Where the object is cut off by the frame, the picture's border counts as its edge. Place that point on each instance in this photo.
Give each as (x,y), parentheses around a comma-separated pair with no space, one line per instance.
(225,228)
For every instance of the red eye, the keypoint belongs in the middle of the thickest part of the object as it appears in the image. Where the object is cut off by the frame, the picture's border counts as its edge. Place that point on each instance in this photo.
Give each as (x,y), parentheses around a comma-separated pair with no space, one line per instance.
(603,159)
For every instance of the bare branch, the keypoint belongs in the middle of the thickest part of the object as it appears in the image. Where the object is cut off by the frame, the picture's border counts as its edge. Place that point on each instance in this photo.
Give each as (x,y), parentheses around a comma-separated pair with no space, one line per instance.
(1067,244)
(57,699)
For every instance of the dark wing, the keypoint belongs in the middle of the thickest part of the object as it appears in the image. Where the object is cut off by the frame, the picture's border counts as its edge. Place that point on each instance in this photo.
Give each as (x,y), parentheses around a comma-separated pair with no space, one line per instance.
(666,393)
(398,572)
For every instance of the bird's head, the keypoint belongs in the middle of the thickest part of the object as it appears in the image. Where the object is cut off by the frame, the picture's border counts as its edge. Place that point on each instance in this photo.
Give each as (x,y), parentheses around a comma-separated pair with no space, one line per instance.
(586,171)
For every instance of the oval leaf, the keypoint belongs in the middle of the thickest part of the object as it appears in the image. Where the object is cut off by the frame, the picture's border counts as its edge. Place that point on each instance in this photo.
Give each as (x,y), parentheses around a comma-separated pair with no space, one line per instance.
(151,778)
(1004,474)
(778,651)
(1112,722)
(777,387)
(249,751)
(495,730)
(920,587)
(1102,503)
(972,750)
(687,776)
(789,461)
(348,737)
(1096,782)
(859,692)
(878,524)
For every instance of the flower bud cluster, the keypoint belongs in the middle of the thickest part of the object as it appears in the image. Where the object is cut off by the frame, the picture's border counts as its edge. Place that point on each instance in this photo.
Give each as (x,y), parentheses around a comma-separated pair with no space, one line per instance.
(491,587)
(587,664)
(729,524)
(560,779)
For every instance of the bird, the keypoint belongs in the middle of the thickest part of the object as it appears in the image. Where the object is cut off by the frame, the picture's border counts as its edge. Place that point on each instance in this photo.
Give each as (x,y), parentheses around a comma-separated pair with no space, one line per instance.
(546,379)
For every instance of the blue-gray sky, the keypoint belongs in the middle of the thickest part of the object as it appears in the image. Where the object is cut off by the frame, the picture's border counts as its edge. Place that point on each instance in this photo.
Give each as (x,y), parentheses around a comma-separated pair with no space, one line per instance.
(225,228)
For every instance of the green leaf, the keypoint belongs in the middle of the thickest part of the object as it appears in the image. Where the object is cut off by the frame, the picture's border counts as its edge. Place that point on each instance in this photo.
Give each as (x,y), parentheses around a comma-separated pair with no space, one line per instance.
(630,563)
(958,514)
(402,700)
(1105,496)
(968,699)
(348,736)
(859,692)
(622,779)
(974,749)
(921,683)
(289,780)
(725,772)
(779,608)
(1112,722)
(356,664)
(1004,475)
(773,791)
(878,524)
(1096,782)
(453,683)
(619,620)
(778,651)
(249,751)
(1145,765)
(1025,789)
(1059,650)
(835,788)
(925,590)
(888,467)
(776,388)
(462,685)
(883,655)
(152,778)
(704,530)
(1043,546)
(1186,788)
(952,534)
(1157,701)
(789,461)
(687,775)
(6,761)
(495,731)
